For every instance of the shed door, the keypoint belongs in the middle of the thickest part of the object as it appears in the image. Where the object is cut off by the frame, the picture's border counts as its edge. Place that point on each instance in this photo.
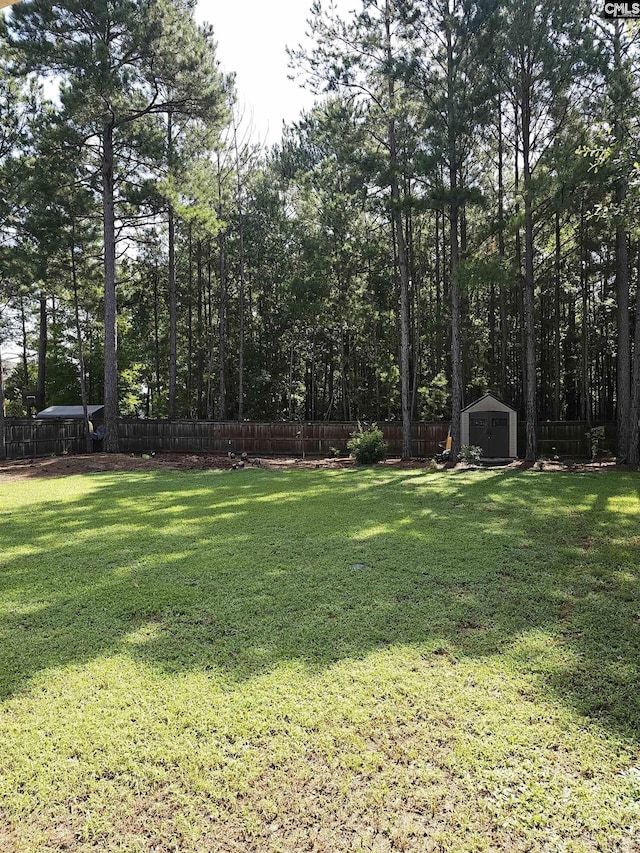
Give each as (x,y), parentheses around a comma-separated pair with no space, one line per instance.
(479,430)
(498,433)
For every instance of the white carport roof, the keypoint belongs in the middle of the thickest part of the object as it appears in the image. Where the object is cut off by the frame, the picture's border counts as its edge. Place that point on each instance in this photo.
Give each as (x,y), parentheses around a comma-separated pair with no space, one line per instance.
(68,411)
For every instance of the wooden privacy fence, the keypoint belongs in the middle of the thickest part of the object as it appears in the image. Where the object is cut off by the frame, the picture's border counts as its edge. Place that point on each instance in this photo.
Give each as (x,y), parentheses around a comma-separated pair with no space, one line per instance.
(567,438)
(27,438)
(290,438)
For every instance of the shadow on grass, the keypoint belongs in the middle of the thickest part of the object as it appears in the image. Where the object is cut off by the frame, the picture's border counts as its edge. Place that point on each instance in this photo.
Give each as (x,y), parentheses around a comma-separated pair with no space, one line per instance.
(237,573)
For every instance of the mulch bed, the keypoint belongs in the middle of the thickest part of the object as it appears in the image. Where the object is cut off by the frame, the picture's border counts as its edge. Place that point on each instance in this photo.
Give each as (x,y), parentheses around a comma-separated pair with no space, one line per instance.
(90,463)
(60,466)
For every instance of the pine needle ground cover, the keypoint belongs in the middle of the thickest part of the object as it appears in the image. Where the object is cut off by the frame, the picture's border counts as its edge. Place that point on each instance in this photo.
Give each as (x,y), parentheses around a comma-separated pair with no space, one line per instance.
(328,661)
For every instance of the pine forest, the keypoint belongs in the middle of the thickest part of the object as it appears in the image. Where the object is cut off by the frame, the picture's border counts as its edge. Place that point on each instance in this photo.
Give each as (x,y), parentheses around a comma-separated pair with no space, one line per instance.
(457,214)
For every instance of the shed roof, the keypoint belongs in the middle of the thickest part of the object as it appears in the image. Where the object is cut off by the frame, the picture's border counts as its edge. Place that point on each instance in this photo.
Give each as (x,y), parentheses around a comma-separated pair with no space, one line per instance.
(481,403)
(72,412)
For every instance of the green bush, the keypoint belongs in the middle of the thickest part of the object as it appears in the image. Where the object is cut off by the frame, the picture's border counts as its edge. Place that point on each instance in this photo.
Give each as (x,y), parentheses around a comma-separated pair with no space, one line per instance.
(367,445)
(597,441)
(470,453)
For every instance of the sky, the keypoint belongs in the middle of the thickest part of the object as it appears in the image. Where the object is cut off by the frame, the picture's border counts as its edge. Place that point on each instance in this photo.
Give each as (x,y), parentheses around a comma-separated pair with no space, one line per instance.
(252,37)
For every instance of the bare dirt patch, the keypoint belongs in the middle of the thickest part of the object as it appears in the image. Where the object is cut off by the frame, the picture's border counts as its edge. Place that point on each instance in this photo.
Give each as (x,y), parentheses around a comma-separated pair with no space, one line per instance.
(91,463)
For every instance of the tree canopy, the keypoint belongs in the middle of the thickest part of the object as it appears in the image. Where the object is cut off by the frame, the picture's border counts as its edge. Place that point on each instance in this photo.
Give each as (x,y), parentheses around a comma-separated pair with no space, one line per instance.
(456,214)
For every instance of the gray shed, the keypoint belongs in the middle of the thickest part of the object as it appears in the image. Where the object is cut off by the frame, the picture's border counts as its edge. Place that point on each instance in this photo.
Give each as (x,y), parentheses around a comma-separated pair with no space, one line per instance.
(71,412)
(490,424)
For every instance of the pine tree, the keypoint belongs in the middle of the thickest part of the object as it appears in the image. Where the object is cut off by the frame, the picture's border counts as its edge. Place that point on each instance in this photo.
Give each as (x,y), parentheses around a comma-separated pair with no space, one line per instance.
(120,61)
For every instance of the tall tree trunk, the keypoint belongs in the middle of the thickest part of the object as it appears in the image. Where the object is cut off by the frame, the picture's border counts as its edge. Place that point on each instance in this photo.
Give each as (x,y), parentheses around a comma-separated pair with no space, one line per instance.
(156,340)
(623,371)
(417,353)
(438,285)
(456,338)
(291,381)
(557,386)
(242,279)
(111,442)
(501,252)
(173,293)
(414,301)
(42,355)
(531,416)
(208,312)
(200,407)
(403,261)
(190,329)
(584,287)
(519,366)
(76,312)
(222,333)
(3,429)
(90,390)
(634,437)
(25,359)
(570,366)
(222,320)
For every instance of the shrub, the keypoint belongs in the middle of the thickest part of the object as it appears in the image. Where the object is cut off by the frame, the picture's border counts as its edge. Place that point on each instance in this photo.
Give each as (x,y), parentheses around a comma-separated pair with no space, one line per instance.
(435,398)
(596,437)
(470,453)
(367,445)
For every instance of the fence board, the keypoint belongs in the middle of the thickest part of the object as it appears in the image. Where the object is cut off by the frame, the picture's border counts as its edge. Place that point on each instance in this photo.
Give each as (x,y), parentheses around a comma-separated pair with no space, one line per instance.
(26,438)
(567,438)
(319,438)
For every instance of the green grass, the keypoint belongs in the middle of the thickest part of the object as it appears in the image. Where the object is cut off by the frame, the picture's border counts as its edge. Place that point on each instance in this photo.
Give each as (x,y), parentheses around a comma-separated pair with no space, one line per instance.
(328,661)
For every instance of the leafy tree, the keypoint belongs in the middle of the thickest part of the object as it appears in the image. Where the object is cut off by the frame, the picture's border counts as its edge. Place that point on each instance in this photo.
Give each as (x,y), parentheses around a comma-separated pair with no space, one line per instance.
(366,58)
(450,77)
(618,153)
(120,61)
(539,43)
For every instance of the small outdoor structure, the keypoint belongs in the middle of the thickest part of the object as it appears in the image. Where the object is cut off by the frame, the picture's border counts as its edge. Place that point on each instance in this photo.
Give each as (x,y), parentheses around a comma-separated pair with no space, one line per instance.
(72,412)
(490,424)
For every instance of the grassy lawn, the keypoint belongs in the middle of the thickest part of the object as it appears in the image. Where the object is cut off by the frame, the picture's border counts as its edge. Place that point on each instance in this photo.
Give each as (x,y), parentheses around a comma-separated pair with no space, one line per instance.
(320,661)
